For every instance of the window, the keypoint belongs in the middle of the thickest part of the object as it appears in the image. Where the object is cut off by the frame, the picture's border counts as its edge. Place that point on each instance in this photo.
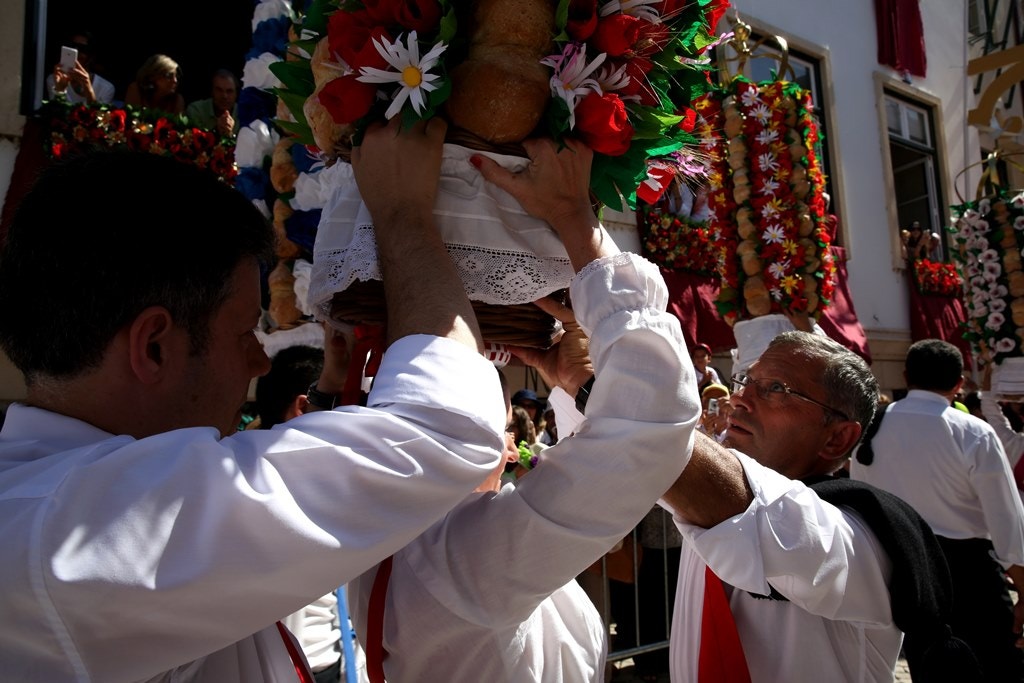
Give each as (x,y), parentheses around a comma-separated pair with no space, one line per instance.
(914,159)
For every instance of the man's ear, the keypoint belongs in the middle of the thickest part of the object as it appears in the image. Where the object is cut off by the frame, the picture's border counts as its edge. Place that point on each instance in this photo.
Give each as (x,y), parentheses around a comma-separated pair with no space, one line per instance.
(148,343)
(297,406)
(842,436)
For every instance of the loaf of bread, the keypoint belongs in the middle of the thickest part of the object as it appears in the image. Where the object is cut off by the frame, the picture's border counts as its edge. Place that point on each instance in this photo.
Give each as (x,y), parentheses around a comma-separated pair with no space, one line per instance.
(500,91)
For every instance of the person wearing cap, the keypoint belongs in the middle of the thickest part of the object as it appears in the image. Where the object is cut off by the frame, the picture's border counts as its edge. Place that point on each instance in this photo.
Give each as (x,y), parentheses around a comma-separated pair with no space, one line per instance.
(700,354)
(528,400)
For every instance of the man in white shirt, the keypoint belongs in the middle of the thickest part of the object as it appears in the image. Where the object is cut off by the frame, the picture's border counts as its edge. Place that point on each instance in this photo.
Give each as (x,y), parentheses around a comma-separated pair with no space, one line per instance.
(951,467)
(144,539)
(813,587)
(488,592)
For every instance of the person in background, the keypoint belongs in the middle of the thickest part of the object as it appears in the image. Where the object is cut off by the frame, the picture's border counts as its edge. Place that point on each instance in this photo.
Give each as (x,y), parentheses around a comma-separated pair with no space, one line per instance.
(951,467)
(156,86)
(219,111)
(534,405)
(715,411)
(281,396)
(169,543)
(700,354)
(803,577)
(82,85)
(549,437)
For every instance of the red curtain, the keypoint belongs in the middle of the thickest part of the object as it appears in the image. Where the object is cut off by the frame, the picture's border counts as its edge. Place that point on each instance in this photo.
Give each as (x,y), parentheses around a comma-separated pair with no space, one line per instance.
(692,300)
(900,36)
(938,317)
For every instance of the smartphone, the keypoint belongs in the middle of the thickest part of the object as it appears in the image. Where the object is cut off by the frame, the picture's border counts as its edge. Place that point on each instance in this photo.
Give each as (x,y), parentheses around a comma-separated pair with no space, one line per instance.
(712,406)
(68,57)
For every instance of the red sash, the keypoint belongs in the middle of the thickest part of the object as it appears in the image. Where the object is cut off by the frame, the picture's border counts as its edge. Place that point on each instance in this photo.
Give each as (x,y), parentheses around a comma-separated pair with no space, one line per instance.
(721,658)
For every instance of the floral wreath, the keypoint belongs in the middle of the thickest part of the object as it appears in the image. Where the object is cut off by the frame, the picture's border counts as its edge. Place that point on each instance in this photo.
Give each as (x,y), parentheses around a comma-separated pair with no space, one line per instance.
(989,234)
(767,197)
(74,128)
(622,73)
(676,237)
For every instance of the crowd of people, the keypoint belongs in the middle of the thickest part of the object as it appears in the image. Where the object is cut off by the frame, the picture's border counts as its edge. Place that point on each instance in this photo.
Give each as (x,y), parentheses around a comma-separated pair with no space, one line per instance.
(155,87)
(811,535)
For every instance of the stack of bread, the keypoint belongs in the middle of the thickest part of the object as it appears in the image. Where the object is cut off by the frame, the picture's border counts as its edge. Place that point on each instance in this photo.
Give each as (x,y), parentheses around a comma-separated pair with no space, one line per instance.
(767,199)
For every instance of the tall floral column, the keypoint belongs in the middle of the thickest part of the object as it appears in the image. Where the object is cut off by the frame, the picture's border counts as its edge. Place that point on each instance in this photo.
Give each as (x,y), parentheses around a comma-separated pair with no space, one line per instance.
(989,235)
(767,199)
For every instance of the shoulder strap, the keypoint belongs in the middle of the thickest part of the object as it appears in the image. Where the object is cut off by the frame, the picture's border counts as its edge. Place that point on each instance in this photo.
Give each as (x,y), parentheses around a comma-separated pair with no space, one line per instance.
(375,653)
(866,454)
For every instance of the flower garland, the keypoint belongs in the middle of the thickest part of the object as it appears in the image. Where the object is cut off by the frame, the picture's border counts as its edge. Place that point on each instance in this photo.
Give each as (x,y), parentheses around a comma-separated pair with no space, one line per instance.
(680,237)
(74,128)
(989,234)
(937,278)
(621,75)
(767,199)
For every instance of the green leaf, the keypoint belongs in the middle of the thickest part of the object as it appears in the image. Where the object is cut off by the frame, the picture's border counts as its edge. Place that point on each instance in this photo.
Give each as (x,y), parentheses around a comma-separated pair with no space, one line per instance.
(302,132)
(562,16)
(294,102)
(449,27)
(296,76)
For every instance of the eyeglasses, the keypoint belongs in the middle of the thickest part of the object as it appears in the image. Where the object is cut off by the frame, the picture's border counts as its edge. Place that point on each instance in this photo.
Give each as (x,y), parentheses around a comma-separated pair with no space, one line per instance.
(768,389)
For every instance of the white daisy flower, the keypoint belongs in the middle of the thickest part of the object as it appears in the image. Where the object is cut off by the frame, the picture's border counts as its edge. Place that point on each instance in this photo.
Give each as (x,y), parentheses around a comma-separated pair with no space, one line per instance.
(767,162)
(762,113)
(770,186)
(778,270)
(410,71)
(749,97)
(776,293)
(571,80)
(767,136)
(612,78)
(774,234)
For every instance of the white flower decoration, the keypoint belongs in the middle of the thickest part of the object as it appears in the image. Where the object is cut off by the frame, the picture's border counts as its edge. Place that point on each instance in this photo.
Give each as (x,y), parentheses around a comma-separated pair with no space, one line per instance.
(762,113)
(984,206)
(988,256)
(1018,201)
(1005,345)
(612,78)
(767,162)
(997,305)
(997,291)
(770,186)
(410,71)
(774,234)
(992,271)
(995,320)
(778,270)
(749,97)
(767,136)
(636,8)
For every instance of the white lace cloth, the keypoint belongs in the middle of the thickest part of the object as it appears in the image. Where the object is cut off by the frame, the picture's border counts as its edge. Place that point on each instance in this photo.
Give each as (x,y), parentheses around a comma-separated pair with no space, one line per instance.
(1008,379)
(503,256)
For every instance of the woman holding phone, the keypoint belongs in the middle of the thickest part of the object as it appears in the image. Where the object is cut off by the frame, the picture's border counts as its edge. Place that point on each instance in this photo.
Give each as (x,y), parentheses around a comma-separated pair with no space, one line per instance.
(85,85)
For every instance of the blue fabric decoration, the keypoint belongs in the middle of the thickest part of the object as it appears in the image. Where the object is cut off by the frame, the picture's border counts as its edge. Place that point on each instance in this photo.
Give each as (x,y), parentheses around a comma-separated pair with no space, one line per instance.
(254,104)
(271,35)
(302,158)
(252,182)
(301,227)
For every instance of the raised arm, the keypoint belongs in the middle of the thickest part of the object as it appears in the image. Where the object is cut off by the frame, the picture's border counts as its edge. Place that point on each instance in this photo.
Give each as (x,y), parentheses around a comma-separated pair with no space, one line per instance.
(554,188)
(712,488)
(397,172)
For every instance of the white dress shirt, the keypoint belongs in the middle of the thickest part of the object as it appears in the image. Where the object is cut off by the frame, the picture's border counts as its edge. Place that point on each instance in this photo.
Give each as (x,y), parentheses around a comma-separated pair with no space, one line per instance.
(126,558)
(951,468)
(837,624)
(487,593)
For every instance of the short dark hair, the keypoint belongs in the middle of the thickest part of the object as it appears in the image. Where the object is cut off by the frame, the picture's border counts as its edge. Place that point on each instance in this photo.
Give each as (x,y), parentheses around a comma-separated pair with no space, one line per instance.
(292,371)
(104,235)
(934,365)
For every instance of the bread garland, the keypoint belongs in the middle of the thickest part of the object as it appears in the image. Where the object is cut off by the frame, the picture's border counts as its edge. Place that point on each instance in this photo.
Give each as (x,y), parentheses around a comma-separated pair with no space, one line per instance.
(989,234)
(767,199)
(617,75)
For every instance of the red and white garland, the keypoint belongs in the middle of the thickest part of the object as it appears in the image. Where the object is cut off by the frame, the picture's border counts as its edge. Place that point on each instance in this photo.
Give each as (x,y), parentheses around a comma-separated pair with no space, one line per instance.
(767,198)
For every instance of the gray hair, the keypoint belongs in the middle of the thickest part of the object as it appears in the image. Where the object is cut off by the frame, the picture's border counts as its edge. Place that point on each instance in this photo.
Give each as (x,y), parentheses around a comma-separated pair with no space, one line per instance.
(845,377)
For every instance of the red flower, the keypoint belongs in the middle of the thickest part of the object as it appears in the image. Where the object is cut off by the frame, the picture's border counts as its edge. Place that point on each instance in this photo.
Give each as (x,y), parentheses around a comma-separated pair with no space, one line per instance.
(411,15)
(582,19)
(689,120)
(637,70)
(714,13)
(616,34)
(602,123)
(348,99)
(351,35)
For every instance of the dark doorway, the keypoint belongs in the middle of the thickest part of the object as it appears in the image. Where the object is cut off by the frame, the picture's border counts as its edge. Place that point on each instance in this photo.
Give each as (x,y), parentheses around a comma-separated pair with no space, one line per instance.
(201,37)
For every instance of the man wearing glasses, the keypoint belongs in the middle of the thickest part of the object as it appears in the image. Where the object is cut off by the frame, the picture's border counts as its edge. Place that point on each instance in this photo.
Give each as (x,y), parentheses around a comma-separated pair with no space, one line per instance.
(777,583)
